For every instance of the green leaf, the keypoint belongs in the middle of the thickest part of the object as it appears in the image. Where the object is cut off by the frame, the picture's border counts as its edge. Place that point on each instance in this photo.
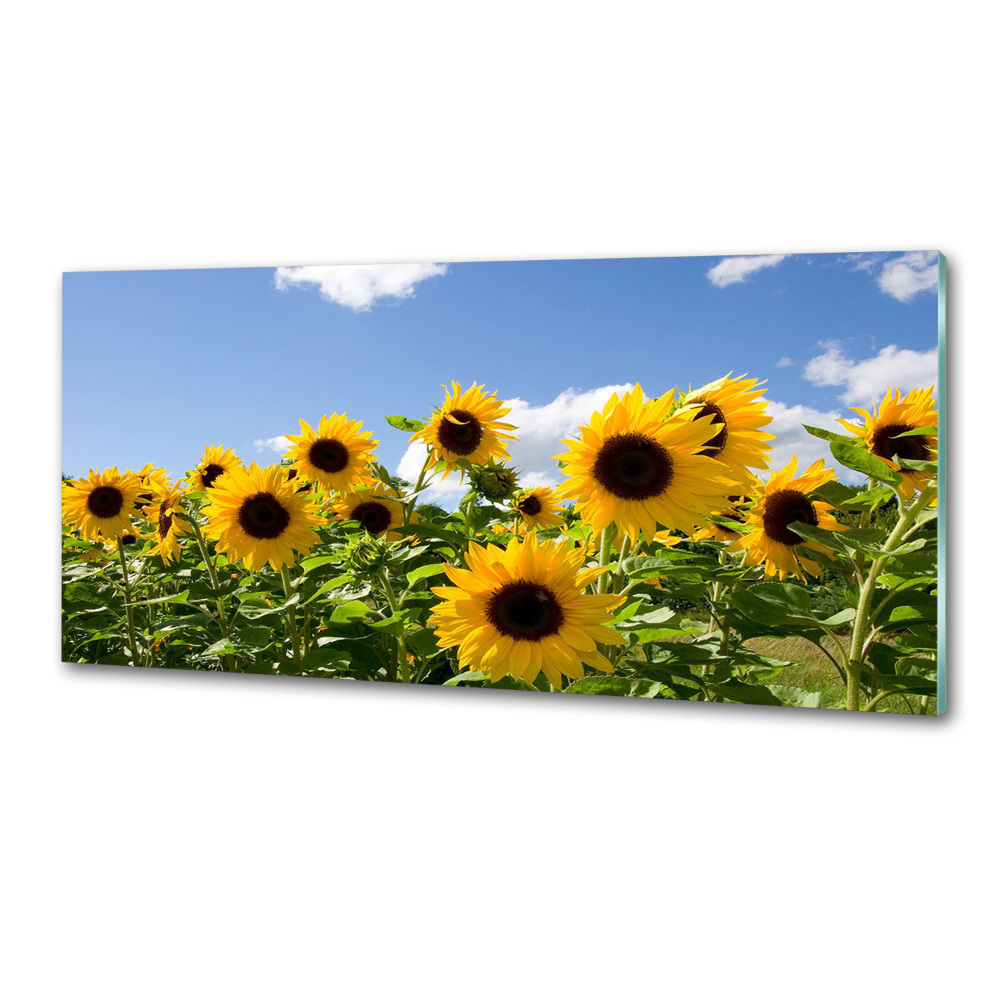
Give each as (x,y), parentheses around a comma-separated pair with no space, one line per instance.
(254,605)
(180,598)
(929,431)
(822,432)
(350,611)
(857,457)
(870,498)
(224,647)
(428,529)
(797,698)
(745,694)
(255,637)
(314,561)
(423,572)
(836,493)
(465,677)
(916,466)
(405,424)
(626,613)
(625,687)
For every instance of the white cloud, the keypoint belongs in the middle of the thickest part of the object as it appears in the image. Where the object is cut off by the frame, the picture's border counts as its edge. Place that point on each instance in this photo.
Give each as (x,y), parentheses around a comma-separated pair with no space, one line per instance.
(866,381)
(792,439)
(540,430)
(785,363)
(902,276)
(358,286)
(731,270)
(905,276)
(278,444)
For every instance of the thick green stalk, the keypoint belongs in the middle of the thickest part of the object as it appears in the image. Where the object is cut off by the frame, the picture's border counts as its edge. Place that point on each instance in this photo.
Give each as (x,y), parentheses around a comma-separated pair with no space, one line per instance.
(129,619)
(403,663)
(862,621)
(212,576)
(607,536)
(286,582)
(228,662)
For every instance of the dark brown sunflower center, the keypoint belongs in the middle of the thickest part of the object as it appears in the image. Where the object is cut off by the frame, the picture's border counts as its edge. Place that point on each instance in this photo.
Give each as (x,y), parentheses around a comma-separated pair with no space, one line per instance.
(462,438)
(129,539)
(164,523)
(262,516)
(782,509)
(374,516)
(529,505)
(524,610)
(328,455)
(633,467)
(885,444)
(105,501)
(715,444)
(210,473)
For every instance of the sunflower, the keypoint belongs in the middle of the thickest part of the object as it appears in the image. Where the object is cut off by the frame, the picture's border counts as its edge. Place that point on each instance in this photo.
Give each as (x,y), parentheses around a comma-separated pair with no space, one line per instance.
(785,500)
(168,528)
(893,417)
(99,506)
(467,427)
(522,610)
(737,412)
(151,479)
(736,511)
(335,455)
(378,510)
(214,461)
(257,516)
(538,508)
(638,467)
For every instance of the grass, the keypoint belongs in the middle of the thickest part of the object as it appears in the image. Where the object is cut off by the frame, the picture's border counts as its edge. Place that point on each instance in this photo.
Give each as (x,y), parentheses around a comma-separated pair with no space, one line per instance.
(812,671)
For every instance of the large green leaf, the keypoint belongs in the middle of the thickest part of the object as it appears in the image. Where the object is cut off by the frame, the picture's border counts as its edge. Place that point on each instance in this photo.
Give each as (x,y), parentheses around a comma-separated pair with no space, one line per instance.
(405,424)
(424,572)
(627,687)
(745,694)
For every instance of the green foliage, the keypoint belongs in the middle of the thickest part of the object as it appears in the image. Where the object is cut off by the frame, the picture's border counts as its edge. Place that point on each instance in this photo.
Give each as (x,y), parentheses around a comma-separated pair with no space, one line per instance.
(697,622)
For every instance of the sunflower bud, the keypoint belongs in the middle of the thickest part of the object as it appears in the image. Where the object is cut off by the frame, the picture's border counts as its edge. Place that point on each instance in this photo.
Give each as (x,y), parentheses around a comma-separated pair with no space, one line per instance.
(368,554)
(493,481)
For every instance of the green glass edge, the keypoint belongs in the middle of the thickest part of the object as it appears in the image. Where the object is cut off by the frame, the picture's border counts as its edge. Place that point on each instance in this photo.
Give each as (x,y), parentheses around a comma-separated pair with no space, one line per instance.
(942,520)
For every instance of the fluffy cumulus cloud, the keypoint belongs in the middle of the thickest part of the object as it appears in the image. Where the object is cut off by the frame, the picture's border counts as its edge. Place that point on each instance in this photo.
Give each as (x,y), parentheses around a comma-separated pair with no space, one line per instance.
(865,381)
(791,438)
(903,277)
(540,430)
(358,286)
(277,444)
(731,270)
(785,362)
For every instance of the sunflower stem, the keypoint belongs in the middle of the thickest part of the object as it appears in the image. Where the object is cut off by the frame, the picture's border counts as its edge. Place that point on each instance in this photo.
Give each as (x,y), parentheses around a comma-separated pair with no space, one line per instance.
(403,663)
(622,556)
(862,621)
(228,661)
(607,536)
(286,582)
(129,618)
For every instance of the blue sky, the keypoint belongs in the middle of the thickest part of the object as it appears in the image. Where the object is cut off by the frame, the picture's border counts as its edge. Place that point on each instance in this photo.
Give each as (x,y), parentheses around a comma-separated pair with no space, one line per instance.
(157,364)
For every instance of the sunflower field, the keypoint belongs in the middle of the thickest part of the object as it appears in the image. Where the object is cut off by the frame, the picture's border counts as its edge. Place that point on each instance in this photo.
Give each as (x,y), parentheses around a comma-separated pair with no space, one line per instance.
(672,562)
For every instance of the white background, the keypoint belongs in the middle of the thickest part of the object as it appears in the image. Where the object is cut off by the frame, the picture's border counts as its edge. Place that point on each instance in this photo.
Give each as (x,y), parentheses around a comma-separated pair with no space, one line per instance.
(171,835)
